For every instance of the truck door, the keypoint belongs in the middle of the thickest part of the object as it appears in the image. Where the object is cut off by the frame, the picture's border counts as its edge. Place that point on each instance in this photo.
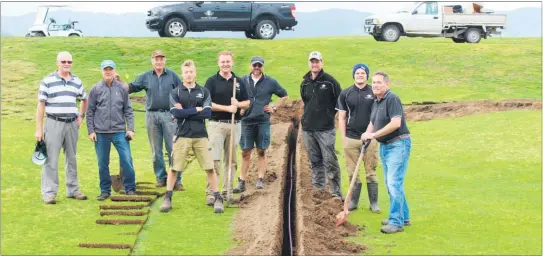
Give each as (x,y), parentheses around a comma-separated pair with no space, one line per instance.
(426,19)
(204,15)
(233,15)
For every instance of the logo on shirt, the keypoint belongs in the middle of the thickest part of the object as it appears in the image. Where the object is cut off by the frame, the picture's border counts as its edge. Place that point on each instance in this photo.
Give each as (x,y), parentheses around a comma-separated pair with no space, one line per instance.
(199,95)
(237,86)
(323,87)
(369,96)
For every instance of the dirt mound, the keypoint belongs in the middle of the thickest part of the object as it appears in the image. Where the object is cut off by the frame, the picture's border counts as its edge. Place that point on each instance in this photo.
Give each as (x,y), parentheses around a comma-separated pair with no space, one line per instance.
(315,220)
(288,111)
(258,224)
(416,112)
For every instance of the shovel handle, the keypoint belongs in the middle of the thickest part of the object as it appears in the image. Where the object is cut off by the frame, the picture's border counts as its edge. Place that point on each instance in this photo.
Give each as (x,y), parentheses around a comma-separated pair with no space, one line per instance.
(355,175)
(232,133)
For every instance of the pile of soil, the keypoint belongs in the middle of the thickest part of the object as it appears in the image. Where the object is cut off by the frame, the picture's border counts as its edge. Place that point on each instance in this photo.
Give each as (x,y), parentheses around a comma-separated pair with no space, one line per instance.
(258,224)
(426,112)
(315,220)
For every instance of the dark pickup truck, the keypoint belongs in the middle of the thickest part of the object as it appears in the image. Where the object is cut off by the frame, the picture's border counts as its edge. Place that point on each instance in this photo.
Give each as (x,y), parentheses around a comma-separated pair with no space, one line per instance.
(257,20)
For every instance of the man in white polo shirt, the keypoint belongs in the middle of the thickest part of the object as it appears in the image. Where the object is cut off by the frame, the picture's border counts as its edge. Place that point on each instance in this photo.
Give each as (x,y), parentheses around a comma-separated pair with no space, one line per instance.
(57,98)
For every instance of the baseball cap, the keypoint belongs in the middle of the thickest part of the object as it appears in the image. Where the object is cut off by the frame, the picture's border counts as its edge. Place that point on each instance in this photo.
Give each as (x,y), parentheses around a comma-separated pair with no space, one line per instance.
(40,153)
(108,63)
(315,55)
(158,53)
(257,59)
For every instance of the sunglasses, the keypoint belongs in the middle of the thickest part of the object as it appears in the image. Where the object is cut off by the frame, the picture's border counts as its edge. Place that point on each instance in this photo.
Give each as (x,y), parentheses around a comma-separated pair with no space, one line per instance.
(257,65)
(66,61)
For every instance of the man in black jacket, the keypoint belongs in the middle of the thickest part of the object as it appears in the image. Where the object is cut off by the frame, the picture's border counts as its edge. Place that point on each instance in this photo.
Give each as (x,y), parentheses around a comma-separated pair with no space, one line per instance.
(320,91)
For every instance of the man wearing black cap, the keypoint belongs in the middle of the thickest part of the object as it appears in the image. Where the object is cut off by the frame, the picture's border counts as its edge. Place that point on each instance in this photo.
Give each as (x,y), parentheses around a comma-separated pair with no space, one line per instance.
(354,106)
(158,83)
(320,91)
(255,124)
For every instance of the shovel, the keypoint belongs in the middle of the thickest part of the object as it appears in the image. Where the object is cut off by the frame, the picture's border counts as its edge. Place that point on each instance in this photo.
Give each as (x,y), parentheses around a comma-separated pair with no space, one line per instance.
(230,199)
(342,216)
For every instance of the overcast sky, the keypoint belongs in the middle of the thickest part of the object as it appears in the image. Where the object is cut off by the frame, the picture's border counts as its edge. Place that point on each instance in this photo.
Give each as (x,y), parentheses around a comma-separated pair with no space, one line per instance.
(20,8)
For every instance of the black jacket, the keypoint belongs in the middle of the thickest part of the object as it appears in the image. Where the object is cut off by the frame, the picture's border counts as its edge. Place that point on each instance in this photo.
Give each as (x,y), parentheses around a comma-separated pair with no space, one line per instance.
(320,99)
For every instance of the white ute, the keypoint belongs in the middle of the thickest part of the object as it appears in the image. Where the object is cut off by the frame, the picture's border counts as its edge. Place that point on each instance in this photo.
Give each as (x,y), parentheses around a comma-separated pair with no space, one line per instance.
(43,29)
(460,21)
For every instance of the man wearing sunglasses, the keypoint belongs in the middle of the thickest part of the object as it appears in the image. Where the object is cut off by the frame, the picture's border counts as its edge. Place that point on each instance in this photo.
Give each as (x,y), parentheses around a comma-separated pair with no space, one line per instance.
(57,98)
(158,83)
(255,124)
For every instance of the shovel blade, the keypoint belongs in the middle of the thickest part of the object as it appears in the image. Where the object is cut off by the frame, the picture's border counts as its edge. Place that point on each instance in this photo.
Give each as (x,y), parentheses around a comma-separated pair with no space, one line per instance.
(341,218)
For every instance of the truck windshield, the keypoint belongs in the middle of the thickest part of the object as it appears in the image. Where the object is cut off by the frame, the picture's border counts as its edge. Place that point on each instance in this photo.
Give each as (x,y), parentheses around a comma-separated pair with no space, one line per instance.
(409,7)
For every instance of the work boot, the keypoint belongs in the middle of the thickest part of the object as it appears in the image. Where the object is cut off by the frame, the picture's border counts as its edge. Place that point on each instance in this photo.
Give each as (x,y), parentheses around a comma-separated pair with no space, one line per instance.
(241,186)
(79,197)
(103,197)
(160,183)
(405,222)
(166,204)
(179,187)
(259,183)
(210,199)
(50,200)
(218,206)
(373,195)
(355,197)
(391,229)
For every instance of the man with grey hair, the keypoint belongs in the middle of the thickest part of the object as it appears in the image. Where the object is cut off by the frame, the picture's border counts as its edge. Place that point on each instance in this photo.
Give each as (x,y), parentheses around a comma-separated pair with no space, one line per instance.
(57,98)
(158,83)
(320,91)
(388,127)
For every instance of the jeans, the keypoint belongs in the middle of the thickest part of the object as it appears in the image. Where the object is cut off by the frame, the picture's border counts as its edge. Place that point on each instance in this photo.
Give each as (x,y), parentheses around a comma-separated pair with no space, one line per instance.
(103,147)
(394,157)
(161,128)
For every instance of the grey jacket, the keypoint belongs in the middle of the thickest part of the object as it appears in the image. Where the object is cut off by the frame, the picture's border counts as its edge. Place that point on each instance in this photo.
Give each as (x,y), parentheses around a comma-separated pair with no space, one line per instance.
(110,110)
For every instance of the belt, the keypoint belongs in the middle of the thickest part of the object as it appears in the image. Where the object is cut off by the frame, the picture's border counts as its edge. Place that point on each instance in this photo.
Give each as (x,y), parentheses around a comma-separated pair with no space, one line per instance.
(225,121)
(66,120)
(158,110)
(404,136)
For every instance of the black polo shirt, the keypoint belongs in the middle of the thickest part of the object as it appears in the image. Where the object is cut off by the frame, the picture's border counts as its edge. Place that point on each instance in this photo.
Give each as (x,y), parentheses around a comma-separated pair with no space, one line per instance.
(357,103)
(221,93)
(193,126)
(383,111)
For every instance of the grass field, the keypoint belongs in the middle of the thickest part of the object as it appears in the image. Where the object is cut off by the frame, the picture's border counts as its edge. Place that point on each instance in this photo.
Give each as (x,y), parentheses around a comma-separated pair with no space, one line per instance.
(473,185)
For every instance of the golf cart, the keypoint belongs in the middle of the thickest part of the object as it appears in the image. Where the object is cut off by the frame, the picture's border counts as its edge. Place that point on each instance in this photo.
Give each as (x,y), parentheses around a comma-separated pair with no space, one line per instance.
(43,29)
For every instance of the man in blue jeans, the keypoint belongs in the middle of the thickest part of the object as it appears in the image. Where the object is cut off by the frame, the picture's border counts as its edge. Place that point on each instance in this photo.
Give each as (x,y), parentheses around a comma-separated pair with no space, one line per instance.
(255,123)
(388,126)
(110,119)
(158,83)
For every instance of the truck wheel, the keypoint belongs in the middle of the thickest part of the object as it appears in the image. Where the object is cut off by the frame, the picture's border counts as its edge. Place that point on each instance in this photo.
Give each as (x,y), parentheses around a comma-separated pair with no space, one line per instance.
(250,35)
(37,34)
(74,34)
(161,33)
(473,35)
(377,38)
(175,27)
(458,40)
(391,33)
(266,29)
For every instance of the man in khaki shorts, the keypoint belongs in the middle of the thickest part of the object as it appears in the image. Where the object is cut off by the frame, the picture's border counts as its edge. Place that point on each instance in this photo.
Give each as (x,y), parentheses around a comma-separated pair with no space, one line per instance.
(220,86)
(191,105)
(354,106)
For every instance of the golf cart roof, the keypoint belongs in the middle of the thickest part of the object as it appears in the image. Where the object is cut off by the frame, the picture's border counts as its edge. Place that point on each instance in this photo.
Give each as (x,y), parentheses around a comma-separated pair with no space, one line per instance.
(43,10)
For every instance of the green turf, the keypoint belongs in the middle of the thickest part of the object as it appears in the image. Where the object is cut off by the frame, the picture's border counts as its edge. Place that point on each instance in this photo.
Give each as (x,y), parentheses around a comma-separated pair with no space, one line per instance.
(489,159)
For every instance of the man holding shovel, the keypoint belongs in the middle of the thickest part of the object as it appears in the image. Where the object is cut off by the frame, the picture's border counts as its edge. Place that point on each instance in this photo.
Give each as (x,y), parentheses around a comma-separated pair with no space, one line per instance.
(256,120)
(224,124)
(191,105)
(388,126)
(354,106)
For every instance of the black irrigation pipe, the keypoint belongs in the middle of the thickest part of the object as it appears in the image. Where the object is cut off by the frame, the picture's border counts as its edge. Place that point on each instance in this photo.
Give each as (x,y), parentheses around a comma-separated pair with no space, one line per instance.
(289,200)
